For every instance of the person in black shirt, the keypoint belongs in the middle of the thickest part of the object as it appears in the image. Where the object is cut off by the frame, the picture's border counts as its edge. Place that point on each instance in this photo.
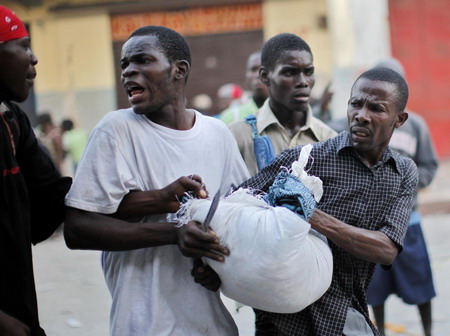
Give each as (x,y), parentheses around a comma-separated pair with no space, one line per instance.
(31,189)
(364,212)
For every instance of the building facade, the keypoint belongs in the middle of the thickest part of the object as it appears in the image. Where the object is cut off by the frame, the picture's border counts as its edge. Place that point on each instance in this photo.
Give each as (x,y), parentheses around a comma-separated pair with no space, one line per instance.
(78,45)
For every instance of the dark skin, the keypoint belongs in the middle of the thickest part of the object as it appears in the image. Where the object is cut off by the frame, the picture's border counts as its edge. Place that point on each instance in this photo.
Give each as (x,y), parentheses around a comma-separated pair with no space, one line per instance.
(156,89)
(138,204)
(17,64)
(373,246)
(290,83)
(161,84)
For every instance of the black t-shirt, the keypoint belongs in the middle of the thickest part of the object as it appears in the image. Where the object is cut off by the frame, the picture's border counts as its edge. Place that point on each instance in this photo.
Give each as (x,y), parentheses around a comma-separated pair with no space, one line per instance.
(31,207)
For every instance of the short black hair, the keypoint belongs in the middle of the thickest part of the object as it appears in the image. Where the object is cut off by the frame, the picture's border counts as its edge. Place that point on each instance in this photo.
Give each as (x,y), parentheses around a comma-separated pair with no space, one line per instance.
(384,74)
(44,118)
(276,46)
(172,44)
(67,125)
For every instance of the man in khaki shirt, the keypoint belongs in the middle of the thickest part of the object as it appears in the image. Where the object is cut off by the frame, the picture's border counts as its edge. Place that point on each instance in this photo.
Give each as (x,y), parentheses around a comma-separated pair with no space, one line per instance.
(286,117)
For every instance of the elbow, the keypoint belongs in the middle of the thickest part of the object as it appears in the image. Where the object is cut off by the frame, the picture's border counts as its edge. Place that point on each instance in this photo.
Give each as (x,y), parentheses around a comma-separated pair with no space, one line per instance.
(389,255)
(71,231)
(386,261)
(386,250)
(69,238)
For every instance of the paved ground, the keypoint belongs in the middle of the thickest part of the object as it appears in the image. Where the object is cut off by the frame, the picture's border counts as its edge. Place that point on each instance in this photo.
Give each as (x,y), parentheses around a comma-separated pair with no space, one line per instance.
(73,299)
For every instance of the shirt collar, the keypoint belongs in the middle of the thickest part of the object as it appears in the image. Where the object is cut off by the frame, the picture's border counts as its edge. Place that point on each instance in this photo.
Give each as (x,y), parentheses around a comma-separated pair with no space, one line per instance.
(266,117)
(345,145)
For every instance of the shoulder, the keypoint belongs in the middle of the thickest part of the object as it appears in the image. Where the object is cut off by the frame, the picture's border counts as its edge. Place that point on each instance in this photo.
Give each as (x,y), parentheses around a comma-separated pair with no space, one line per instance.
(211,122)
(322,130)
(17,112)
(116,120)
(406,167)
(241,131)
(16,115)
(211,126)
(323,147)
(328,148)
(239,126)
(117,116)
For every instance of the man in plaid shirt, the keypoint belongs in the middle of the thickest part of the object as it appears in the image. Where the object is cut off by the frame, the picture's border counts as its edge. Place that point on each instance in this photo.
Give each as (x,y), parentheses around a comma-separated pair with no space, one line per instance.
(364,212)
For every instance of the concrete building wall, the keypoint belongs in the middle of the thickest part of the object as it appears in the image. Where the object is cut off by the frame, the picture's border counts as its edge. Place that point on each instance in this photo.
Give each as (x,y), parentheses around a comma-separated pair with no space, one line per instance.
(76,66)
(75,70)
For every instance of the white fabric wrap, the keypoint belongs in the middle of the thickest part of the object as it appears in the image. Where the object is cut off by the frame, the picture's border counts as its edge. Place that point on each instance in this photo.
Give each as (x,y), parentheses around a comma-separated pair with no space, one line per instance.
(313,183)
(275,264)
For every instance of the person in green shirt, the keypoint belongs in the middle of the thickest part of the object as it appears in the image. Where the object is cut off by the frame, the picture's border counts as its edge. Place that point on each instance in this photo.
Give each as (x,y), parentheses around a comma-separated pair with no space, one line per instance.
(74,141)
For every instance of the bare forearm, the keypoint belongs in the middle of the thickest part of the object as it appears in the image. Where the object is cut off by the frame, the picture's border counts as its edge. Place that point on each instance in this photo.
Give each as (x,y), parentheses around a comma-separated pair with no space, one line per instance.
(372,246)
(158,201)
(144,203)
(86,230)
(93,231)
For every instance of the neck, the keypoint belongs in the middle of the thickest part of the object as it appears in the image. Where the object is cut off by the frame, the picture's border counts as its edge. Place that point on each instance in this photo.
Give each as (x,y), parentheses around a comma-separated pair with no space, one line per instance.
(174,116)
(288,118)
(259,100)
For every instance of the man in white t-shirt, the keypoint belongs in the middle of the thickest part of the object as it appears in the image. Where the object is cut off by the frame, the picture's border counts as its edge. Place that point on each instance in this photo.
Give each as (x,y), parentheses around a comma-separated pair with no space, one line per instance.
(137,164)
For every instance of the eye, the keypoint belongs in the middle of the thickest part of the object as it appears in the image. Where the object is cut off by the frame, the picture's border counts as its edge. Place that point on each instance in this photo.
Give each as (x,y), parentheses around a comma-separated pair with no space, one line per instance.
(144,59)
(377,108)
(123,65)
(289,73)
(26,44)
(309,72)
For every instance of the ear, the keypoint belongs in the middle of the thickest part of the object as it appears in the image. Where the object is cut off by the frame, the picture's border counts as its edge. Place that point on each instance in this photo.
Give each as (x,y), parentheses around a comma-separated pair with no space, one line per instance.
(264,76)
(181,69)
(401,118)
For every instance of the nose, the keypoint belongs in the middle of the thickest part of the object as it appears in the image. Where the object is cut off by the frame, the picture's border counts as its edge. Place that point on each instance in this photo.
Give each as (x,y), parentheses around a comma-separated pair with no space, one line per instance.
(301,80)
(362,115)
(33,58)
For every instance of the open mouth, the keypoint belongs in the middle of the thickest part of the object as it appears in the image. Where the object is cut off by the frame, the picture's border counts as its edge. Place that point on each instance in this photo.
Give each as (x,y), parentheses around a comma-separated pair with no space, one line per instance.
(134,90)
(360,132)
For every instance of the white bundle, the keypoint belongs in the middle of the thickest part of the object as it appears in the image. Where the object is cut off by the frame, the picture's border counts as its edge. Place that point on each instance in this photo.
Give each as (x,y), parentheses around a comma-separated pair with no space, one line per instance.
(276,263)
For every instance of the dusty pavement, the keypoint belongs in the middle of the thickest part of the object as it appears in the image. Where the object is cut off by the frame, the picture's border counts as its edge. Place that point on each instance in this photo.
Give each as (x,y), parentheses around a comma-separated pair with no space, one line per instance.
(74,301)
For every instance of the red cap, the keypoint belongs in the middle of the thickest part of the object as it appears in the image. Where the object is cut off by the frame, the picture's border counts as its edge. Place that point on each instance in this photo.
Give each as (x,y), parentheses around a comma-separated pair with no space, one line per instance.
(11,27)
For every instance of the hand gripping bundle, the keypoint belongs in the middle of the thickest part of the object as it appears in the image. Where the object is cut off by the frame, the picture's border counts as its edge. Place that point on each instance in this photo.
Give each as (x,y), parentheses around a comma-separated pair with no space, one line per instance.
(277,263)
